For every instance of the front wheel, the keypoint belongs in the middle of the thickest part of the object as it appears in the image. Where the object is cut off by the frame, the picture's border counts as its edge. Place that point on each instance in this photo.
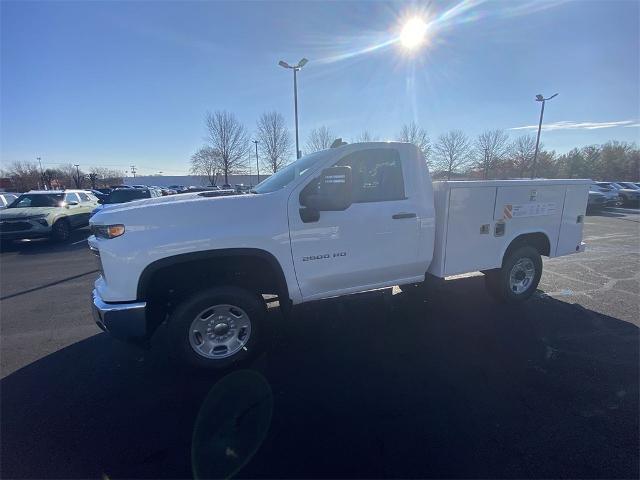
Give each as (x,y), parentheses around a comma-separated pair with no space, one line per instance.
(61,231)
(518,278)
(217,328)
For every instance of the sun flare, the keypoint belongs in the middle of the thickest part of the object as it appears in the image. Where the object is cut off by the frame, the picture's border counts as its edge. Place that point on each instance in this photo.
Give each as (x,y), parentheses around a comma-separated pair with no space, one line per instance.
(413,33)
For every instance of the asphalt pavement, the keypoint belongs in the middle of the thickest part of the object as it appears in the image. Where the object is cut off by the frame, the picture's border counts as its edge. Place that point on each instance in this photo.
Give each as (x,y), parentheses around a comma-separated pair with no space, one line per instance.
(382,384)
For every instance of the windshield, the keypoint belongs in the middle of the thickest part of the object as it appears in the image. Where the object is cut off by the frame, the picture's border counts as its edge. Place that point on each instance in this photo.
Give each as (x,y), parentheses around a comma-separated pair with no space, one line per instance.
(38,200)
(288,174)
(123,196)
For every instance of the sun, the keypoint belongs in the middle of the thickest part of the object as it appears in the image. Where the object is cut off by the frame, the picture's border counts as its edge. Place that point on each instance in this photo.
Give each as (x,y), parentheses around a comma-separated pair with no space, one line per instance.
(413,33)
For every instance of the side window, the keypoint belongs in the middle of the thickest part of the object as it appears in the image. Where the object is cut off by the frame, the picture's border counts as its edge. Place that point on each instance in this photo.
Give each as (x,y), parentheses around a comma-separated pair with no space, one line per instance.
(84,197)
(71,197)
(376,175)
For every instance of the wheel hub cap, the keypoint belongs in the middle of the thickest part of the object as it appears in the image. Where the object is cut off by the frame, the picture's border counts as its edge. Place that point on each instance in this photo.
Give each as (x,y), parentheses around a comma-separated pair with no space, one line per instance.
(522,275)
(220,331)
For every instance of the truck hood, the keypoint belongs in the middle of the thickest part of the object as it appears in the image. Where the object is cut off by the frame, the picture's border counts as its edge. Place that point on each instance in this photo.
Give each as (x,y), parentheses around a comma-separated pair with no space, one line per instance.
(151,202)
(187,209)
(17,213)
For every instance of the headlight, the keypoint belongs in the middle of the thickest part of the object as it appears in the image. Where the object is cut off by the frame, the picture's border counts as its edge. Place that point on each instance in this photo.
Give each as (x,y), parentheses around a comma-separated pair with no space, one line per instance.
(107,231)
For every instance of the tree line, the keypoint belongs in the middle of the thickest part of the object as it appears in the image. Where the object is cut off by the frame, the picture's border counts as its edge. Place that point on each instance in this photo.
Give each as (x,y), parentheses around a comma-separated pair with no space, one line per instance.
(25,176)
(493,154)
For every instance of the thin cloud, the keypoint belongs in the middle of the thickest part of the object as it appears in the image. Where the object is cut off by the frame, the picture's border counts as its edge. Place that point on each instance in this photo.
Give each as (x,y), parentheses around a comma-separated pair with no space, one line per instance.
(570,125)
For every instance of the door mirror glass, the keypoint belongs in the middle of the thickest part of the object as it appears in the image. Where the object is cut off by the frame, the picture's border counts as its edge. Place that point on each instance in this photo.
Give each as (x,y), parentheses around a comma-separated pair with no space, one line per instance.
(330,192)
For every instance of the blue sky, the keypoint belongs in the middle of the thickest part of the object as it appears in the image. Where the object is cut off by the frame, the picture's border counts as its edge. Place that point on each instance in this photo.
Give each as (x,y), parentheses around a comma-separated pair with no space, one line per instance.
(116,83)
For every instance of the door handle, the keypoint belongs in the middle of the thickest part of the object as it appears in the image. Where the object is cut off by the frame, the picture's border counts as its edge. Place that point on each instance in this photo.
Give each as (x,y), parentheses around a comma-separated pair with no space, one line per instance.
(398,216)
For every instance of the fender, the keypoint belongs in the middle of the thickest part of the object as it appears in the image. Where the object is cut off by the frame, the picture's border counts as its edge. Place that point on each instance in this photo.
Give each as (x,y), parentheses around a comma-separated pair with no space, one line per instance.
(520,234)
(152,268)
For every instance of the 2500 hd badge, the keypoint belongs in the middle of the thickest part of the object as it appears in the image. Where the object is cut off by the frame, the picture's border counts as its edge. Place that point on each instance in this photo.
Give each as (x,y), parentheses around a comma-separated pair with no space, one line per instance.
(324,256)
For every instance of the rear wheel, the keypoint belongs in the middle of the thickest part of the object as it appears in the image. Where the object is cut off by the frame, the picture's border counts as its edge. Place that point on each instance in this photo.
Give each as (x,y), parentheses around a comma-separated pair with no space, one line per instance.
(518,278)
(217,328)
(61,231)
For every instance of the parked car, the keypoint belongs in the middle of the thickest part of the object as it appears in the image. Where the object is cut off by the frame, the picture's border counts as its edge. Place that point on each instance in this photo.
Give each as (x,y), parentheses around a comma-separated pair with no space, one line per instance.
(178,188)
(629,196)
(99,194)
(6,198)
(125,195)
(613,199)
(46,213)
(630,185)
(596,201)
(240,188)
(344,220)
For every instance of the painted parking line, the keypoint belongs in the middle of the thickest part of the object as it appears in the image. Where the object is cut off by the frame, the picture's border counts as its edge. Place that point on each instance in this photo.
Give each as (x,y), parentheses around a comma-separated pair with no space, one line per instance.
(623,210)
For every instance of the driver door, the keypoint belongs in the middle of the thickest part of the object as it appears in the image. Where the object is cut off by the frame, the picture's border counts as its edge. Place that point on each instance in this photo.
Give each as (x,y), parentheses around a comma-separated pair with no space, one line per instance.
(373,243)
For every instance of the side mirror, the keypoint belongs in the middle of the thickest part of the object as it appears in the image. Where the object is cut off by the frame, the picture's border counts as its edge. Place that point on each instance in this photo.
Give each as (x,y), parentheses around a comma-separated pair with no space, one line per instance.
(71,204)
(331,191)
(100,201)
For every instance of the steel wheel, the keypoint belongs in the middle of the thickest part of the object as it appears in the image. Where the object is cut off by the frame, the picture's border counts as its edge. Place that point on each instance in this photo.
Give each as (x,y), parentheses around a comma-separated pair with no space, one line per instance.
(220,331)
(521,275)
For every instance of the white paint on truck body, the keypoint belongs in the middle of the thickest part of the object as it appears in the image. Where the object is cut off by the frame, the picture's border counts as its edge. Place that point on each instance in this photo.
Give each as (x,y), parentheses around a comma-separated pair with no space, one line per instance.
(374,243)
(554,208)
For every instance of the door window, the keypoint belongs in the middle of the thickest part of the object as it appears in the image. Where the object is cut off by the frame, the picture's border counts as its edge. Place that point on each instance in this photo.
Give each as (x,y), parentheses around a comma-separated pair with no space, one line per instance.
(84,197)
(376,175)
(71,197)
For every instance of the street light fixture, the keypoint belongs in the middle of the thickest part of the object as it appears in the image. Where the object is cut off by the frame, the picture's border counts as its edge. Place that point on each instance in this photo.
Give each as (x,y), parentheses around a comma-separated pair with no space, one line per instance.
(257,166)
(539,98)
(295,69)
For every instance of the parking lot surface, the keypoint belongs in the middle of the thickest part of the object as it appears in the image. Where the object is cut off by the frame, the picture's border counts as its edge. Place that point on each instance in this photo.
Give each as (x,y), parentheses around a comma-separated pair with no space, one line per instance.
(383,384)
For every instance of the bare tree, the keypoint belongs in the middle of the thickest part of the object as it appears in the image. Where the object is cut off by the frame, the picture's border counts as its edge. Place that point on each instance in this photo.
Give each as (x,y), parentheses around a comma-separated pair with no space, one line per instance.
(24,175)
(522,151)
(452,152)
(491,147)
(412,133)
(274,140)
(365,136)
(319,139)
(71,175)
(104,177)
(206,162)
(228,137)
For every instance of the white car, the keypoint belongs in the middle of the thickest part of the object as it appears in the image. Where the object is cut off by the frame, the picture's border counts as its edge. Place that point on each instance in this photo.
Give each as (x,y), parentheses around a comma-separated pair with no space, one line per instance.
(336,222)
(6,198)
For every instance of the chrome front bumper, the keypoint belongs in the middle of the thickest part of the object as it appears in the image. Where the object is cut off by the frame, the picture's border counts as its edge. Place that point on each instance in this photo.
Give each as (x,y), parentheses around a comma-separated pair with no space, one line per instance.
(122,320)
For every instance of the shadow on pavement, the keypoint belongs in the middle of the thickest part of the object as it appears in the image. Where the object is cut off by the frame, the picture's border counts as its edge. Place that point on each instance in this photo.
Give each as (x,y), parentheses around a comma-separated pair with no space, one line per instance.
(374,385)
(44,245)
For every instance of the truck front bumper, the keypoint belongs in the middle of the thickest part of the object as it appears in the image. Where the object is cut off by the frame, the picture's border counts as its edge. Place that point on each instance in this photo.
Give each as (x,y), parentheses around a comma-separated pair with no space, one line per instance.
(122,320)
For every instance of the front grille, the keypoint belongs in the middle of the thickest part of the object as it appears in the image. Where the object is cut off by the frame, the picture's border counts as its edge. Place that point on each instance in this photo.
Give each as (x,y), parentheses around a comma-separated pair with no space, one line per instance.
(14,226)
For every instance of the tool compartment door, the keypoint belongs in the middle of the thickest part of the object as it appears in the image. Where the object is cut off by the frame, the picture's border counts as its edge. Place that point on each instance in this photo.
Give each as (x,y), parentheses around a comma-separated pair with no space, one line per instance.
(575,207)
(530,208)
(471,245)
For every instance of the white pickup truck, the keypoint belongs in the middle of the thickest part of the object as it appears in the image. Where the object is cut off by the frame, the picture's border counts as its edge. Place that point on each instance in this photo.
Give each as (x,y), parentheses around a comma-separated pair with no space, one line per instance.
(354,218)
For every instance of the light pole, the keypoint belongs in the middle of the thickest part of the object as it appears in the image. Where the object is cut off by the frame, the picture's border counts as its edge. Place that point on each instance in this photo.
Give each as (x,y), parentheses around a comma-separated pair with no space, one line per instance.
(539,98)
(77,175)
(257,166)
(295,69)
(44,184)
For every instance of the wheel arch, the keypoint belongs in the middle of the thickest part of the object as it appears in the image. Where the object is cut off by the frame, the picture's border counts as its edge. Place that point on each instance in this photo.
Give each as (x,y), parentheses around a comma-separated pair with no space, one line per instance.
(228,255)
(537,239)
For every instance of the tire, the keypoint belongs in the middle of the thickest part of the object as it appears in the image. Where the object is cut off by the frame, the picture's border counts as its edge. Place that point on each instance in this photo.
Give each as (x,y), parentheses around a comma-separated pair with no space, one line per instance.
(61,231)
(518,278)
(198,339)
